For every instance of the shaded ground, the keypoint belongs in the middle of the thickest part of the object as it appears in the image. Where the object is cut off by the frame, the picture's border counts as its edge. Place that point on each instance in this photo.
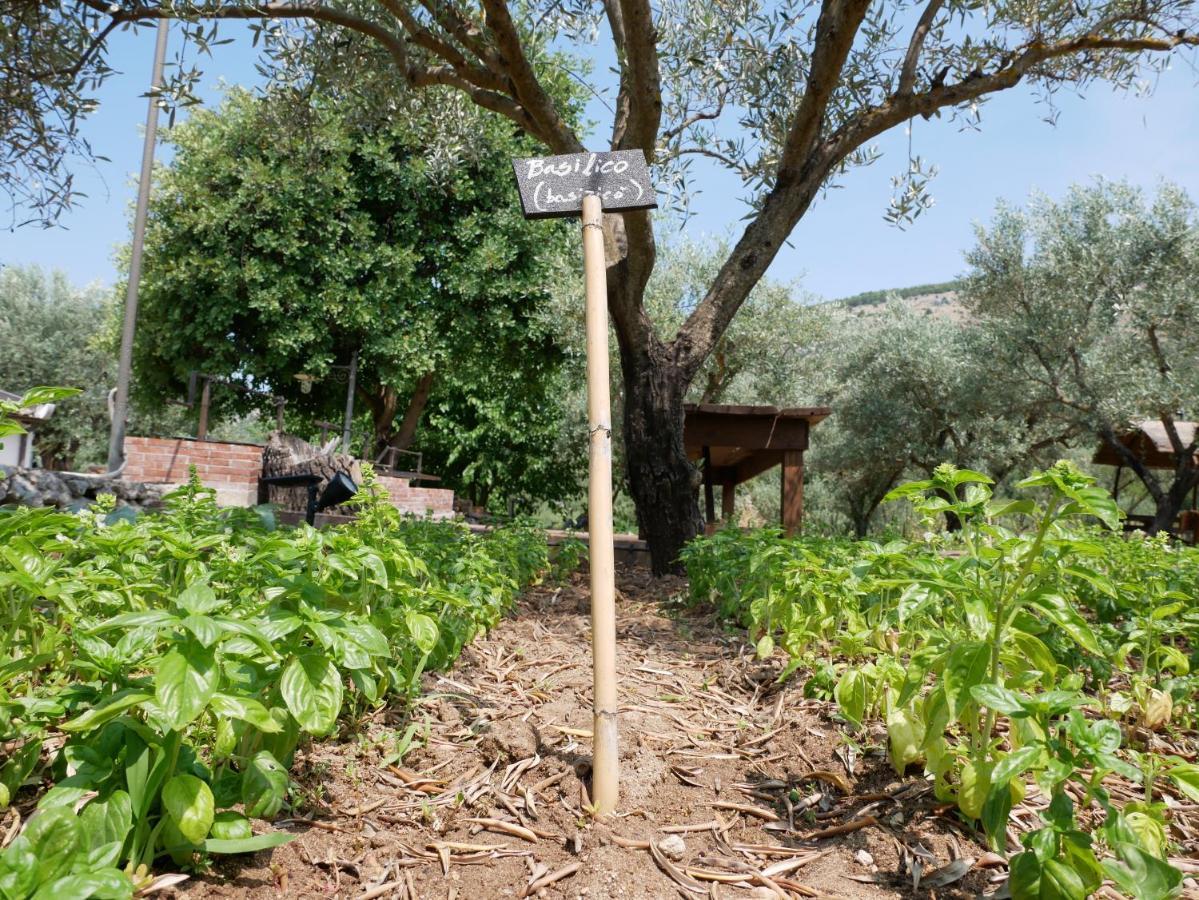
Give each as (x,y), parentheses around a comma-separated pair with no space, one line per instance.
(743,788)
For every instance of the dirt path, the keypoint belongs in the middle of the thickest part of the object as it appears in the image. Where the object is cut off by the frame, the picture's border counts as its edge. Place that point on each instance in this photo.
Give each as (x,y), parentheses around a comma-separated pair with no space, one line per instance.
(748,787)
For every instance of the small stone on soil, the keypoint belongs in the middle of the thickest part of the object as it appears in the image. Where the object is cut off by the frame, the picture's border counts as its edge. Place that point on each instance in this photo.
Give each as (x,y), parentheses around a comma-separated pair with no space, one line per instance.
(673,847)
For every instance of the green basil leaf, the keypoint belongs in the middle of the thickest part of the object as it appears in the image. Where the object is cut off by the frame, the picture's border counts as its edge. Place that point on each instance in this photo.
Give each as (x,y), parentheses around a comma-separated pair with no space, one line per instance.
(127,621)
(1186,776)
(250,844)
(185,682)
(263,786)
(311,688)
(850,694)
(1059,611)
(98,715)
(230,826)
(55,836)
(188,801)
(18,767)
(1015,763)
(1060,882)
(205,628)
(108,820)
(103,884)
(1142,875)
(198,599)
(998,698)
(968,665)
(423,630)
(245,709)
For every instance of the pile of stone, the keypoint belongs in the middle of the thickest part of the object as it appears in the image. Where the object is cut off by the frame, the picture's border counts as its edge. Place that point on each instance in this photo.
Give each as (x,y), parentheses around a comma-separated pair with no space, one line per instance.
(66,490)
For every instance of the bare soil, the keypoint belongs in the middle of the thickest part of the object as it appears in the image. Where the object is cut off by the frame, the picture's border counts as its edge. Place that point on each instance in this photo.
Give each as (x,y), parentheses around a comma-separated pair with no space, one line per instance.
(731,785)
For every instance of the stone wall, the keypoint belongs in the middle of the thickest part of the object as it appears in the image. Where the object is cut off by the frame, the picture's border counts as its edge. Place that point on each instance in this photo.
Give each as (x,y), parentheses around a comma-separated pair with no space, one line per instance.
(42,487)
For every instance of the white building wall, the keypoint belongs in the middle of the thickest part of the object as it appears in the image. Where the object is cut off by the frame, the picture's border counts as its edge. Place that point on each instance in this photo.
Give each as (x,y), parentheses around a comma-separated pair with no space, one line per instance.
(16,450)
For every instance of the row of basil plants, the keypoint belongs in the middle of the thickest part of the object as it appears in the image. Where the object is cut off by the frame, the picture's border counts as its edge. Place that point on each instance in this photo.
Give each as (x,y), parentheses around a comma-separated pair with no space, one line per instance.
(1030,643)
(159,671)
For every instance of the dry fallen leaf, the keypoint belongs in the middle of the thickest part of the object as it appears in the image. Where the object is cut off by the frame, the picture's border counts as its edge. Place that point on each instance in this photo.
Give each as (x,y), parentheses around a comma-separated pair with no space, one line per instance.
(955,871)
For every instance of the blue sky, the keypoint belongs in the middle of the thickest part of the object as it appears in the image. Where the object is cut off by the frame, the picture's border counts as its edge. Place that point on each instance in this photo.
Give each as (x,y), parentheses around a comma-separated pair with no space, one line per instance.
(843,246)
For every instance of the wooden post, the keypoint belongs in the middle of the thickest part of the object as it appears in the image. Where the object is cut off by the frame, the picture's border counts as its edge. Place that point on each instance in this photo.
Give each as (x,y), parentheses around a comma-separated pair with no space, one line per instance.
(550,187)
(792,505)
(606,761)
(728,494)
(709,502)
(205,399)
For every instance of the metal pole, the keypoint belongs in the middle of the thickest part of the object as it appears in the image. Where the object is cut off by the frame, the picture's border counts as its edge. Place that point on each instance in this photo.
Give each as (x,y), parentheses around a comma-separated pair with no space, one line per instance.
(116,441)
(347,429)
(605,768)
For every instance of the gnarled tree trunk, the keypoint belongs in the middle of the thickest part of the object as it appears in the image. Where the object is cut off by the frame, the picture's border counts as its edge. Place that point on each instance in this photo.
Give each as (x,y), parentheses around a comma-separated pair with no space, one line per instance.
(384,404)
(1169,503)
(662,481)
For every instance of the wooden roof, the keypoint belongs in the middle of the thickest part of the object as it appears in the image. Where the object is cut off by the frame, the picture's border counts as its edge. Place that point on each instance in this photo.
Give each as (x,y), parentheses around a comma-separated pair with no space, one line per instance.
(744,441)
(1150,442)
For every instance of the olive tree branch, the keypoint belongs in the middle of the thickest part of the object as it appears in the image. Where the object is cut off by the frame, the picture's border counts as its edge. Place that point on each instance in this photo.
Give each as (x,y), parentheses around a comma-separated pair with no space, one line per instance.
(899,108)
(706,115)
(461,28)
(836,28)
(907,76)
(800,173)
(525,88)
(639,100)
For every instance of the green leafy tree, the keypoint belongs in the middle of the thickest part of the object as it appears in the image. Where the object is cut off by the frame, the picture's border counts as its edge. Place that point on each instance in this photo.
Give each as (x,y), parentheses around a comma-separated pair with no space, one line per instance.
(53,333)
(788,96)
(1090,307)
(288,233)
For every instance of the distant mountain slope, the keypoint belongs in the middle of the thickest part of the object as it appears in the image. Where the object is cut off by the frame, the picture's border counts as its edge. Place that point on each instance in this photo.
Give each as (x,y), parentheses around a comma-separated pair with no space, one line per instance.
(874,298)
(933,299)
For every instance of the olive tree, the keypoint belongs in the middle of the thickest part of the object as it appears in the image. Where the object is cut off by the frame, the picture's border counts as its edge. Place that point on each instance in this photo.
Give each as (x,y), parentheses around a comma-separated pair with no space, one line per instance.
(910,391)
(787,95)
(1090,307)
(52,332)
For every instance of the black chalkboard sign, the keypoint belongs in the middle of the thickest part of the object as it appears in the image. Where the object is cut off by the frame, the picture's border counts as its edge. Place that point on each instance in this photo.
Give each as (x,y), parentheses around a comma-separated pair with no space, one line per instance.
(554,185)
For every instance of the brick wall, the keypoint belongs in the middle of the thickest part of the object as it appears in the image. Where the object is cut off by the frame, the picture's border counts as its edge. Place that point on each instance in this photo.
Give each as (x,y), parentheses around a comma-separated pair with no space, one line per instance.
(230,469)
(419,501)
(233,470)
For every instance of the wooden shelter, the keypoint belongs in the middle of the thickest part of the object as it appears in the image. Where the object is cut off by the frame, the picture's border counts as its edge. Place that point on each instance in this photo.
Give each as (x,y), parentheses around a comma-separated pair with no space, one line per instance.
(1149,441)
(1151,444)
(735,443)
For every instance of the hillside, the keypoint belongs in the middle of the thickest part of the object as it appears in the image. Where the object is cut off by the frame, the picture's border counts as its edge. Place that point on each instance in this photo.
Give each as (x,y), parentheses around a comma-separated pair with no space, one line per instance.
(931,299)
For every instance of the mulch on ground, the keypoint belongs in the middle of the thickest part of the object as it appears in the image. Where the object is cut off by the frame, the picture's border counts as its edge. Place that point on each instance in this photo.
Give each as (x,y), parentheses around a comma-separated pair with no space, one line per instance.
(731,784)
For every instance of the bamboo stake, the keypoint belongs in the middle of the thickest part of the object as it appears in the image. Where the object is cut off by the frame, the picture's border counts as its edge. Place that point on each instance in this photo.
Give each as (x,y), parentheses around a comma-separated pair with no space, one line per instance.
(605,764)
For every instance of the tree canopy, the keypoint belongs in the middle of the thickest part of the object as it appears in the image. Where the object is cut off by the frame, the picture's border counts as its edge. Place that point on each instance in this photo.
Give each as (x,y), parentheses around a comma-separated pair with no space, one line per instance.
(1090,310)
(789,96)
(288,233)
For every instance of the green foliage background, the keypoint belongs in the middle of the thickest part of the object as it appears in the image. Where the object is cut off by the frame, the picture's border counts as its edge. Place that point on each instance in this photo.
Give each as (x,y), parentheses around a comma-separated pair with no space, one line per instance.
(287,234)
